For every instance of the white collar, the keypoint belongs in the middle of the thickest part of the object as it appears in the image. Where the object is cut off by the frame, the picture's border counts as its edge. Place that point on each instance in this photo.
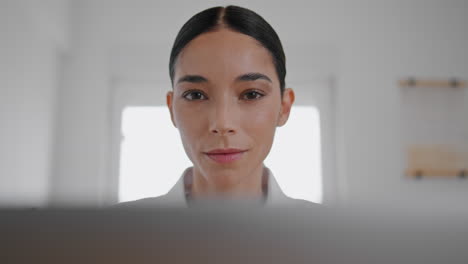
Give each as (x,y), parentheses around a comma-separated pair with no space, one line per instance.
(275,195)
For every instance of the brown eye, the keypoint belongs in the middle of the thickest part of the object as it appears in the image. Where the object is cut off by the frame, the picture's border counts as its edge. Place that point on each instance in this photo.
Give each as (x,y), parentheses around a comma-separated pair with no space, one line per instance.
(193,95)
(253,95)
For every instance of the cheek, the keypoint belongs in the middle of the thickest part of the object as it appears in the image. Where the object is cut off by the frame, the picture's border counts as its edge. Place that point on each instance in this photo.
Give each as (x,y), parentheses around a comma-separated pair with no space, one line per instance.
(190,123)
(261,123)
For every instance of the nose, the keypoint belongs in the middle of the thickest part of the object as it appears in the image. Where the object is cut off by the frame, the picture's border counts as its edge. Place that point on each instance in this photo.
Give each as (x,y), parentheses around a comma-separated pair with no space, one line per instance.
(222,120)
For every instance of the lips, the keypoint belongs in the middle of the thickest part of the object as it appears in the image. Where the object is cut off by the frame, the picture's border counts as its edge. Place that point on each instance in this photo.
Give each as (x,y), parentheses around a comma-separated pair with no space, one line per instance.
(225,155)
(225,151)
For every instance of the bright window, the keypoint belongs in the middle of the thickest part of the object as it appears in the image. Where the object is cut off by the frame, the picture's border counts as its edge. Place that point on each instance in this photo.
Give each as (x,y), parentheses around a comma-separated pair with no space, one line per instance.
(152,156)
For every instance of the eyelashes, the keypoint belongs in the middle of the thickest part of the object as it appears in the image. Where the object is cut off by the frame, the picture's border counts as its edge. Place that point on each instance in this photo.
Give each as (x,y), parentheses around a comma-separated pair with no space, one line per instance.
(191,94)
(253,92)
(196,95)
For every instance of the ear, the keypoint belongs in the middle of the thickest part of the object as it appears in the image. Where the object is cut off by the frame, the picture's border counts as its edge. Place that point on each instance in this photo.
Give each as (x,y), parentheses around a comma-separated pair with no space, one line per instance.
(169,101)
(286,104)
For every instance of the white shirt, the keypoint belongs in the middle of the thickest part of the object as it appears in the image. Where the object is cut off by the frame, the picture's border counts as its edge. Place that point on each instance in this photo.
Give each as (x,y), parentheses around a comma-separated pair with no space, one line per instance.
(176,197)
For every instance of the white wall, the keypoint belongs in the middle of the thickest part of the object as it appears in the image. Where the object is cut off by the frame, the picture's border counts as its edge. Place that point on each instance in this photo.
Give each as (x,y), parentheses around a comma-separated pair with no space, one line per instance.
(383,44)
(367,46)
(32,35)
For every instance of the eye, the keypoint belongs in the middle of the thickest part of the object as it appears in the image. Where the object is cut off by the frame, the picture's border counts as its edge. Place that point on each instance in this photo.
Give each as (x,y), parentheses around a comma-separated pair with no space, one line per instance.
(253,95)
(193,95)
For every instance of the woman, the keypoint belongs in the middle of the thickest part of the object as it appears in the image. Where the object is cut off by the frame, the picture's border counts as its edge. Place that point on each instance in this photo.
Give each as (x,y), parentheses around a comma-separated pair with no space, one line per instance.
(227,69)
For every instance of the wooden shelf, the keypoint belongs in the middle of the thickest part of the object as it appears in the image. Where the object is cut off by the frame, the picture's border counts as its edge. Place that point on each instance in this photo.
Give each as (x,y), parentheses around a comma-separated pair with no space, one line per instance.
(436,173)
(450,83)
(440,161)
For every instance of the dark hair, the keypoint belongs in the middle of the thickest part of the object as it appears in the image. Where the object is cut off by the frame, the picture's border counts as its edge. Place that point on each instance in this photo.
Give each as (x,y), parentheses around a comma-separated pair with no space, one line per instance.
(237,19)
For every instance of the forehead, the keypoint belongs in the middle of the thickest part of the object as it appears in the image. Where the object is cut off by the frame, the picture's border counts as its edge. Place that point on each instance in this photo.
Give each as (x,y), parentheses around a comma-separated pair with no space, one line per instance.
(224,55)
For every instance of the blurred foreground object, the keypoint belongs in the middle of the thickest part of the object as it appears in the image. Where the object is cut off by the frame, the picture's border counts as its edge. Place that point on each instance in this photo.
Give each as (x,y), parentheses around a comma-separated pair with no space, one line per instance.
(234,234)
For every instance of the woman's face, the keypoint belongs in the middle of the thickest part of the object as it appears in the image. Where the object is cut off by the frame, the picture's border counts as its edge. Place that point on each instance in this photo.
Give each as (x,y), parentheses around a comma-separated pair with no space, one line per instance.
(227,95)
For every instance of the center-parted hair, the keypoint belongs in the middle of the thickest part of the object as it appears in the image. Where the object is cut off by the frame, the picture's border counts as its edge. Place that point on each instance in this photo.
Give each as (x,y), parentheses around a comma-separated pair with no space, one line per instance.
(237,19)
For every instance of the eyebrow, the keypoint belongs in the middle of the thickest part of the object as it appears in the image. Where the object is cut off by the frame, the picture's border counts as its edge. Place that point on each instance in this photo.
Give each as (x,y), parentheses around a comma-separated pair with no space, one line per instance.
(192,79)
(252,76)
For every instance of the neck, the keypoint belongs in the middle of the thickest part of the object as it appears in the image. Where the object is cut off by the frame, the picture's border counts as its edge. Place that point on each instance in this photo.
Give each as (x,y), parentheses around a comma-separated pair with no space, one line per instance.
(229,185)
